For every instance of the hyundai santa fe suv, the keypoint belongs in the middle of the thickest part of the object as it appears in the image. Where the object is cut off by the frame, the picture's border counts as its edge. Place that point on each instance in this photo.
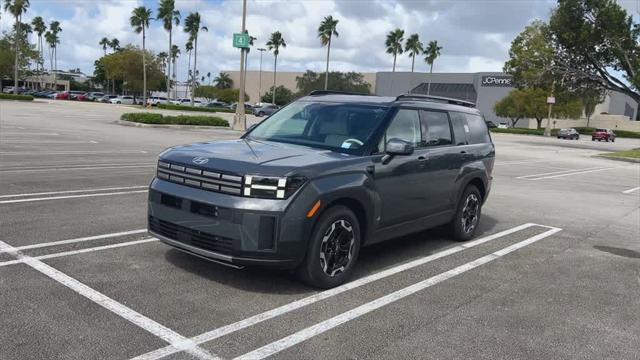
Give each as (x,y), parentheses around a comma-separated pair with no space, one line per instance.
(307,187)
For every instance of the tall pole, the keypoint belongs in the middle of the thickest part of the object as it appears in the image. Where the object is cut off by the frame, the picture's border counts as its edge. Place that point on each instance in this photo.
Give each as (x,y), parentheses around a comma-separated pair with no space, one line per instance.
(240,119)
(547,129)
(260,76)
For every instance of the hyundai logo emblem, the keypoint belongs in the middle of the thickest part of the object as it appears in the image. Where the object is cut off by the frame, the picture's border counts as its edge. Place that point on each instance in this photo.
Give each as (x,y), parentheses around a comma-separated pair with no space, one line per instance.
(200,160)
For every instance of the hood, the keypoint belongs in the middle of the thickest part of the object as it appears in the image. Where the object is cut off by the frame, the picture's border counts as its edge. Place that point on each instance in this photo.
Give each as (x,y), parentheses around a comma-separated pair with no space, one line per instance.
(251,156)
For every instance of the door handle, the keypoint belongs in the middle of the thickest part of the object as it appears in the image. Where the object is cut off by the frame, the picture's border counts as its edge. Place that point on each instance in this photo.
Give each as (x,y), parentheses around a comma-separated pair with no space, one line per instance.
(422,158)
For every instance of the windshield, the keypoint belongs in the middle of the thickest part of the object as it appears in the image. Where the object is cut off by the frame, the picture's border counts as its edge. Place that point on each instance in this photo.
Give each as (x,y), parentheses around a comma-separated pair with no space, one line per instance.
(341,127)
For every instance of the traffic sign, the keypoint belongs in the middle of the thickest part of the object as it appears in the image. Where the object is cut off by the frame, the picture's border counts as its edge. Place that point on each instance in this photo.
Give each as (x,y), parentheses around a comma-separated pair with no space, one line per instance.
(551,100)
(241,40)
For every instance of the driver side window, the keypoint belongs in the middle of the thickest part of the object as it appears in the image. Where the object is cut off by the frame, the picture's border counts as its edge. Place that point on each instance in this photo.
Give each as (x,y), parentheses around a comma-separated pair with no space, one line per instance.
(404,126)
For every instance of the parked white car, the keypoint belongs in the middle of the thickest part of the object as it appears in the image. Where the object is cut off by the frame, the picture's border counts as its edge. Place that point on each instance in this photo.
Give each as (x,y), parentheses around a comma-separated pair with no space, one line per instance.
(187,102)
(124,99)
(503,126)
(155,100)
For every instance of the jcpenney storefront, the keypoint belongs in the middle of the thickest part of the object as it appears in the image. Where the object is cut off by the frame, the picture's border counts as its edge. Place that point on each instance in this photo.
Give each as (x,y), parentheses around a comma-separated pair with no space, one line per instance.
(484,89)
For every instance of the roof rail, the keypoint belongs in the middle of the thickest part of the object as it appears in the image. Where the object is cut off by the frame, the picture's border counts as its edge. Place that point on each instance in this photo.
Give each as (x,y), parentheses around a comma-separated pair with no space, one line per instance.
(436,99)
(330,92)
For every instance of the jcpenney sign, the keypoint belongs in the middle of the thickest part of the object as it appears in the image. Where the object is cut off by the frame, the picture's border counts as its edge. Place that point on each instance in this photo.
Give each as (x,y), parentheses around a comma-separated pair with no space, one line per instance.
(503,81)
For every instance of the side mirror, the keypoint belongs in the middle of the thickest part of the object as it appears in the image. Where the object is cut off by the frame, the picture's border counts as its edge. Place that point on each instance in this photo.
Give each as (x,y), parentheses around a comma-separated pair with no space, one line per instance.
(396,146)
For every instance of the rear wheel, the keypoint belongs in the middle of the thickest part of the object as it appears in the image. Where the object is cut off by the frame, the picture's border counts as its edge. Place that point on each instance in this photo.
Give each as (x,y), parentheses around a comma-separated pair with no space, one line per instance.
(333,249)
(261,114)
(467,217)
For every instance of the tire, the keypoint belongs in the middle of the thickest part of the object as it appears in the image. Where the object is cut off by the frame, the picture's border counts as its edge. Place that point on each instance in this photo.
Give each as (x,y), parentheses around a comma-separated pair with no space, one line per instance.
(462,228)
(613,140)
(336,225)
(593,139)
(261,114)
(118,102)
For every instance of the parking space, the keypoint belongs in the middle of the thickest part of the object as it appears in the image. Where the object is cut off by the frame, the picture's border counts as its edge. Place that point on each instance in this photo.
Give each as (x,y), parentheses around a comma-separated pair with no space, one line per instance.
(553,271)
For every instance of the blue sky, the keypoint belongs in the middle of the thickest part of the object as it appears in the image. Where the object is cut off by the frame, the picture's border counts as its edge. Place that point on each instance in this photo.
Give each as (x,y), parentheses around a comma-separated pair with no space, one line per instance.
(475,34)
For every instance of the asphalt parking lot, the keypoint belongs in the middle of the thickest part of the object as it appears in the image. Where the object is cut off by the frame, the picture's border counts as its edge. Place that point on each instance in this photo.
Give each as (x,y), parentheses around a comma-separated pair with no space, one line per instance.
(553,273)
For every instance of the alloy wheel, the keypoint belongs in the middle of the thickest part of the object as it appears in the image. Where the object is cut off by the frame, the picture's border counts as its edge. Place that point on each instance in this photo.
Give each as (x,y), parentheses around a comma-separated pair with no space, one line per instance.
(336,249)
(470,212)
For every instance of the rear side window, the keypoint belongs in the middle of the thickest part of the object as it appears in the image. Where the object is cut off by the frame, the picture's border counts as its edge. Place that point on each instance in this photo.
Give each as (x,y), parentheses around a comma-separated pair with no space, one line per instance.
(478,132)
(436,129)
(459,124)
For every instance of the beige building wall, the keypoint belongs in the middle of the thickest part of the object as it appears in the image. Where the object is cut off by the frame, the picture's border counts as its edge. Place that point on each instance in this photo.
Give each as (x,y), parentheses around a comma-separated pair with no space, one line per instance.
(284,78)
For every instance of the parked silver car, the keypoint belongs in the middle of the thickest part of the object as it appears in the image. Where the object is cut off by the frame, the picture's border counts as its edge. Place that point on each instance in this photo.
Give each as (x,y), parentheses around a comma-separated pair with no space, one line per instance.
(571,134)
(265,109)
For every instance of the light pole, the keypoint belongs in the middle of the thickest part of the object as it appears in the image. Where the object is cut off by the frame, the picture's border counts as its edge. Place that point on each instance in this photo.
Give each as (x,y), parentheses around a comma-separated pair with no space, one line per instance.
(260,76)
(240,119)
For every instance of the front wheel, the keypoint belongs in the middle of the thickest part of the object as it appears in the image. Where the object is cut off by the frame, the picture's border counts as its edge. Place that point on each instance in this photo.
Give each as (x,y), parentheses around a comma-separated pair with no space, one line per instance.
(333,249)
(467,217)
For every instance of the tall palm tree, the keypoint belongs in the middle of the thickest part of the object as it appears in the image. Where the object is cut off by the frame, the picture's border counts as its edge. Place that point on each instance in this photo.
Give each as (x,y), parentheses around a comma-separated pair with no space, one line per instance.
(413,47)
(104,42)
(55,29)
(163,57)
(223,81)
(394,44)
(114,44)
(16,8)
(139,20)
(208,77)
(175,53)
(40,28)
(432,52)
(326,31)
(169,16)
(193,28)
(189,48)
(276,41)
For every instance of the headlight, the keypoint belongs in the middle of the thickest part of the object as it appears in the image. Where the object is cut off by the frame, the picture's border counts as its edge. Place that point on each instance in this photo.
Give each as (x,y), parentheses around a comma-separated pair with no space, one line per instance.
(271,187)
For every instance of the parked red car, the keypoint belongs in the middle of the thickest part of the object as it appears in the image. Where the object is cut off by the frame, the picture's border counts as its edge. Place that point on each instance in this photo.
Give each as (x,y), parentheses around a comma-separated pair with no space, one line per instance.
(82,97)
(62,95)
(603,134)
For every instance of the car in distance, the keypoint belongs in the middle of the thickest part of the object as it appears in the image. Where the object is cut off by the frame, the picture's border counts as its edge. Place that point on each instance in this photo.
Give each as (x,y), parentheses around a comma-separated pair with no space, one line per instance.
(123,99)
(155,100)
(107,98)
(94,95)
(217,104)
(571,134)
(503,126)
(265,109)
(603,134)
(62,95)
(307,187)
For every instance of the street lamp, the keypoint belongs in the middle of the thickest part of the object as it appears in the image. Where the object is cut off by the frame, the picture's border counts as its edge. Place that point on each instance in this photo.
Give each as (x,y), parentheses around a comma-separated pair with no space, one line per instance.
(240,119)
(260,76)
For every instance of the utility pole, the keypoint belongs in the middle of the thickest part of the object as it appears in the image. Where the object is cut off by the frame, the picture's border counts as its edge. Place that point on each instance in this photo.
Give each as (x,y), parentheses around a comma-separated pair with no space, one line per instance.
(240,119)
(550,100)
(260,76)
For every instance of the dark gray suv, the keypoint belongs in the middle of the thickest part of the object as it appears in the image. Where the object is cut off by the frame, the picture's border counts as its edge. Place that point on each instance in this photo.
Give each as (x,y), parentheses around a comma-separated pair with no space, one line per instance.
(309,186)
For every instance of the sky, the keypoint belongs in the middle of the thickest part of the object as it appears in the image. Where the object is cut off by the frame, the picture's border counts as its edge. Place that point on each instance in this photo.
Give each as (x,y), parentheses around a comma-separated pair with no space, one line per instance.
(475,34)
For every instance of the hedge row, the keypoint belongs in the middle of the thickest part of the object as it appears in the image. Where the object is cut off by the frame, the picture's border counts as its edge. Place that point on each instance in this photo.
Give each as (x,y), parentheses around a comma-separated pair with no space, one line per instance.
(154,118)
(16,97)
(194,108)
(582,130)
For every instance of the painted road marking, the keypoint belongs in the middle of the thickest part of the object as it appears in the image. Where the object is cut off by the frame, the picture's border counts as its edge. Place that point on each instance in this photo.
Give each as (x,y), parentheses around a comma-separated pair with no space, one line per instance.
(77,240)
(28,133)
(516,162)
(324,326)
(557,174)
(48,142)
(80,167)
(631,190)
(297,304)
(71,196)
(72,152)
(74,191)
(117,308)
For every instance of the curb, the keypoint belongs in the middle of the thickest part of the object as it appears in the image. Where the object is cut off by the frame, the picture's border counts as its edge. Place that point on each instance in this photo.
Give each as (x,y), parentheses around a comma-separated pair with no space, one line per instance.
(173,126)
(619,158)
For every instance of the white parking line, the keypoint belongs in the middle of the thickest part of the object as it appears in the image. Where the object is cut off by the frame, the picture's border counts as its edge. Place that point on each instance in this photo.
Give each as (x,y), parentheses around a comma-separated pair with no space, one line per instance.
(77,240)
(117,308)
(557,174)
(80,167)
(73,152)
(631,190)
(28,133)
(71,196)
(312,331)
(516,162)
(44,142)
(74,191)
(297,304)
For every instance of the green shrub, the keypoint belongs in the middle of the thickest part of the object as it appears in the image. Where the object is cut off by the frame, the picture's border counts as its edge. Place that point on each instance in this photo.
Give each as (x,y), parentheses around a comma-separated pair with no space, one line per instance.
(16,97)
(185,108)
(154,118)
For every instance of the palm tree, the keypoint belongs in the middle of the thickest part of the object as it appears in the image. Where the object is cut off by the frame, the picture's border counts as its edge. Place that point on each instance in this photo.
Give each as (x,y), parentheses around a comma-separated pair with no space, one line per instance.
(114,44)
(189,48)
(394,44)
(139,20)
(413,46)
(169,16)
(326,31)
(16,8)
(40,28)
(432,52)
(104,43)
(208,78)
(192,27)
(163,56)
(54,28)
(175,53)
(275,43)
(223,81)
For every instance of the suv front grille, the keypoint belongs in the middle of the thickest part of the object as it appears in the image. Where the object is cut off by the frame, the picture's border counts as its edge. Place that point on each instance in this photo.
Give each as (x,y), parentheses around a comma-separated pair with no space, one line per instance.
(191,237)
(203,179)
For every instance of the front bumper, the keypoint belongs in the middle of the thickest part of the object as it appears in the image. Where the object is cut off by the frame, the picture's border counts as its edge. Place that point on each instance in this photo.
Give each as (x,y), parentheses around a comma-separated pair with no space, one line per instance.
(230,229)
